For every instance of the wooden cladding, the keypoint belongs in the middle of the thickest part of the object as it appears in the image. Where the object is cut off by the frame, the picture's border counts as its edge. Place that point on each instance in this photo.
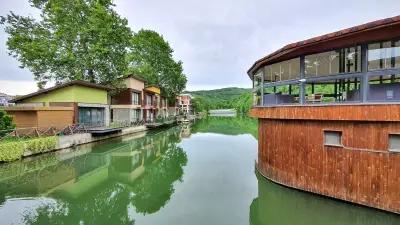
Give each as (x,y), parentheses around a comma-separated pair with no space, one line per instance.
(362,170)
(362,112)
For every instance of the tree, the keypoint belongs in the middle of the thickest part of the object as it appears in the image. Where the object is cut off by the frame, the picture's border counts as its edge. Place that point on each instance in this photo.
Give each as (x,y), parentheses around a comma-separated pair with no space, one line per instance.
(73,40)
(6,123)
(151,58)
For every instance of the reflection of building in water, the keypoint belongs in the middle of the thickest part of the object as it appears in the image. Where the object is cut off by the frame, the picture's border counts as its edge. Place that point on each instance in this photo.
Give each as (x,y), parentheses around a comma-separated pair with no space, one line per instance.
(186,131)
(72,173)
(279,205)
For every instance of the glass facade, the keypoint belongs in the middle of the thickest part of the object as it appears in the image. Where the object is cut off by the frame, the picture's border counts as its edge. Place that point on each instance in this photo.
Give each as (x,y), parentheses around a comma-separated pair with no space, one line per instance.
(333,77)
(282,95)
(384,55)
(93,117)
(346,60)
(333,91)
(384,88)
(282,71)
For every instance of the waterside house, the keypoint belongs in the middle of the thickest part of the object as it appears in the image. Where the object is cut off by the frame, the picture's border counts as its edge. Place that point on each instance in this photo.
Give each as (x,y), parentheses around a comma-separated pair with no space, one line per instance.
(126,105)
(329,114)
(69,103)
(185,104)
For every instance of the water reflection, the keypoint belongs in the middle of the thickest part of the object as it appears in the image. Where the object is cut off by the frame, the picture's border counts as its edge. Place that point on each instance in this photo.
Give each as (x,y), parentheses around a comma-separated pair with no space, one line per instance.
(99,183)
(278,205)
(227,126)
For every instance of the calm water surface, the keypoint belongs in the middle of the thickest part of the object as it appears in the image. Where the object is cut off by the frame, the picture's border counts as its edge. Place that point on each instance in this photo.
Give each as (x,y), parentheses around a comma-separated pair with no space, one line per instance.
(198,174)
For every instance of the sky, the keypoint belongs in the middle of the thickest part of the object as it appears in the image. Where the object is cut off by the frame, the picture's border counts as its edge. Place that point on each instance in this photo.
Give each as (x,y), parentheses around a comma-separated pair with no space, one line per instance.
(216,40)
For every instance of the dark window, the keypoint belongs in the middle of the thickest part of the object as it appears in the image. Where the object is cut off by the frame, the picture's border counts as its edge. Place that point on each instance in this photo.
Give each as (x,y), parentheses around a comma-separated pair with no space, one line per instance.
(333,138)
(93,117)
(135,98)
(394,142)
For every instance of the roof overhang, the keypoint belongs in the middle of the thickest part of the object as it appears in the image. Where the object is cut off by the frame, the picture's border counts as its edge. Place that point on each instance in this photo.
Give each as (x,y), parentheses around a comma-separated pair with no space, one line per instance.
(379,30)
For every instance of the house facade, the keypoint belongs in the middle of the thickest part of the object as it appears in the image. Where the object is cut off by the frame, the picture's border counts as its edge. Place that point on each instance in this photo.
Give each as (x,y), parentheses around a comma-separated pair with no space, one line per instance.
(126,106)
(185,104)
(75,102)
(138,102)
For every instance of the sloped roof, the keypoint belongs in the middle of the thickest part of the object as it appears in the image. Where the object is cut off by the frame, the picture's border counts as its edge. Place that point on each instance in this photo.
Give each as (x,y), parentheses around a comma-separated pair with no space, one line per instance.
(67,84)
(373,31)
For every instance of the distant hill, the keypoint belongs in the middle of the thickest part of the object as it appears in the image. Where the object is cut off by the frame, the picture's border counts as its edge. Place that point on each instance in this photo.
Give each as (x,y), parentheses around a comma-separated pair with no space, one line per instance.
(223,94)
(224,98)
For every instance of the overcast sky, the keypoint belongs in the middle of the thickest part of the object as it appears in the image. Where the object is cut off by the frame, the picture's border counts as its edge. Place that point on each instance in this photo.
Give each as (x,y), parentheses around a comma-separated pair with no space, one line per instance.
(217,40)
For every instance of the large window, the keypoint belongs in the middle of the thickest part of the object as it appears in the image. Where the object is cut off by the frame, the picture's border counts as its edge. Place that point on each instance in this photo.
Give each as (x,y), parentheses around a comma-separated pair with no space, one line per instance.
(93,117)
(384,55)
(333,91)
(257,80)
(135,98)
(149,101)
(384,88)
(136,115)
(346,60)
(286,70)
(282,94)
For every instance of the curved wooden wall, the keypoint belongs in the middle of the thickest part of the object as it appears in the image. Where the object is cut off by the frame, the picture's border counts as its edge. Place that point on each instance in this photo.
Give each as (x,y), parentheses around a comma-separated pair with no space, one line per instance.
(363,171)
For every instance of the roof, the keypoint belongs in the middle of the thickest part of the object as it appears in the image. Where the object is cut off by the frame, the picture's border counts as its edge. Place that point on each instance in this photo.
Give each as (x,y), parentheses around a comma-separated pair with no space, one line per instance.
(57,87)
(374,31)
(136,78)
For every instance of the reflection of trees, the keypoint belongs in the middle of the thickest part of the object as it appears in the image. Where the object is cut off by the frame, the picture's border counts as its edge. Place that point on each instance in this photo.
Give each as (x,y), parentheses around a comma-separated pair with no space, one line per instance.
(110,202)
(279,205)
(155,188)
(227,126)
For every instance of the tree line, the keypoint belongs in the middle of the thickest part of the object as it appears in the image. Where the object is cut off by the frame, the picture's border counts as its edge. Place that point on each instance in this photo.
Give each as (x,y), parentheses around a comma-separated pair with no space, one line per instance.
(88,40)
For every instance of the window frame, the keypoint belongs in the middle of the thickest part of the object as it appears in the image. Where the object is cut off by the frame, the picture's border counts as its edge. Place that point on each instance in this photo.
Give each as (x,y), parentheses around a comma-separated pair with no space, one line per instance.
(332,131)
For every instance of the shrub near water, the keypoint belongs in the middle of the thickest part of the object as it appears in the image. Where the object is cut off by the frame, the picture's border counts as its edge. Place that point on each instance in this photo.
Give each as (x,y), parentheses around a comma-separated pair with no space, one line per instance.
(10,151)
(14,149)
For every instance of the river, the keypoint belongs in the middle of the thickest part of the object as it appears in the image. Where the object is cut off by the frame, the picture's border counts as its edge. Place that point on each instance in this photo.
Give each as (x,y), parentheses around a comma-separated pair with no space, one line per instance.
(200,174)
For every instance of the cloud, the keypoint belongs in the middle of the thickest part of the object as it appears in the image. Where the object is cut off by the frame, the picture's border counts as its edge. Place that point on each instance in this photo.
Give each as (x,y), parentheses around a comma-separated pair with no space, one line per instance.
(219,40)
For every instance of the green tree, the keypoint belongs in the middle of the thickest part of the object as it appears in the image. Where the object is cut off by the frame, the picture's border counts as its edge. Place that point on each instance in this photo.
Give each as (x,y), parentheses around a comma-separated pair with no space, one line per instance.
(6,123)
(151,58)
(80,39)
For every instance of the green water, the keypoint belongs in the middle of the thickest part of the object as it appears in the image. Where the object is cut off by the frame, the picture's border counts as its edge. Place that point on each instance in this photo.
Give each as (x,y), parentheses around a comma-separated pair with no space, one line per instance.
(201,174)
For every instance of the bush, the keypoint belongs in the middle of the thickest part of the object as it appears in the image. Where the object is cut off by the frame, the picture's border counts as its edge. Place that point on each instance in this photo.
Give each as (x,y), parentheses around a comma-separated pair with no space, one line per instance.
(5,123)
(11,151)
(39,145)
(14,149)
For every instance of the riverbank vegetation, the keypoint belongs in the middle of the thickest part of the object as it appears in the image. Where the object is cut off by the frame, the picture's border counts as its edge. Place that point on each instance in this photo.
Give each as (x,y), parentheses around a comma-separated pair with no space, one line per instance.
(6,123)
(12,149)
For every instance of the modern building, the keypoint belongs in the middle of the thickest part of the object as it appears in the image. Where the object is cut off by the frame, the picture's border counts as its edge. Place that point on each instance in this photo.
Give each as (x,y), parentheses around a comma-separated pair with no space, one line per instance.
(329,114)
(75,102)
(126,105)
(185,104)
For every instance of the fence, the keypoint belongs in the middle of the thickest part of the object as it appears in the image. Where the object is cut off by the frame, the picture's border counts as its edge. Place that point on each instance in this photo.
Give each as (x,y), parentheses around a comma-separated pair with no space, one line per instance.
(42,132)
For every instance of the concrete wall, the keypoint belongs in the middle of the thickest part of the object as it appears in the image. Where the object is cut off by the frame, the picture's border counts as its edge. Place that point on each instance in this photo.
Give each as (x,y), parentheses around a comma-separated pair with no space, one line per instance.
(79,139)
(134,84)
(121,115)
